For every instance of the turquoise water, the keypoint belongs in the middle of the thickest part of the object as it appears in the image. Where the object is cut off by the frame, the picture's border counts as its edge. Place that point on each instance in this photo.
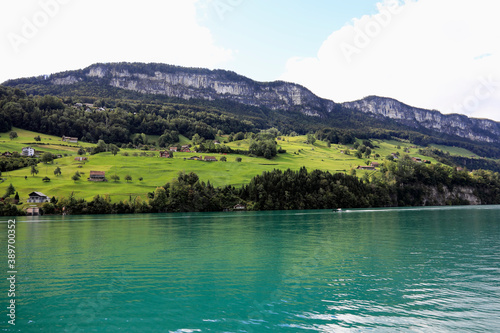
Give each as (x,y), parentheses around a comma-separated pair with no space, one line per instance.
(380,270)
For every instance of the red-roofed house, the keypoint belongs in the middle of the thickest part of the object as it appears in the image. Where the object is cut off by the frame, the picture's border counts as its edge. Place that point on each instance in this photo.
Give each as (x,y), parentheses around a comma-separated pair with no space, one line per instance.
(97,176)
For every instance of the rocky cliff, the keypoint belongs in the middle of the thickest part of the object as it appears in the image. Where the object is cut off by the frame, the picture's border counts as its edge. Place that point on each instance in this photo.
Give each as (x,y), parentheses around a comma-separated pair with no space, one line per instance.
(199,83)
(454,124)
(188,83)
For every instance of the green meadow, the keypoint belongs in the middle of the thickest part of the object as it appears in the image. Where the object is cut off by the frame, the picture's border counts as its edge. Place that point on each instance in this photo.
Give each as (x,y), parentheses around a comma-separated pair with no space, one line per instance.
(156,171)
(455,151)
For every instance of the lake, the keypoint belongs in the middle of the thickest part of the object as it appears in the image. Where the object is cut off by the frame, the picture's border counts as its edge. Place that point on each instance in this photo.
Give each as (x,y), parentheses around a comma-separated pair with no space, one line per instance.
(379,270)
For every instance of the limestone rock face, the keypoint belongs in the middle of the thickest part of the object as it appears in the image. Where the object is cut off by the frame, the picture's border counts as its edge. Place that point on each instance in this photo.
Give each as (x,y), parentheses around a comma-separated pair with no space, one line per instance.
(204,84)
(211,85)
(475,129)
(70,79)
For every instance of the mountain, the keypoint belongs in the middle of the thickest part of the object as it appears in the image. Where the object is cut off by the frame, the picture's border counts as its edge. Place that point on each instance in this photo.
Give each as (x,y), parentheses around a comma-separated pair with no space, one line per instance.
(112,79)
(191,83)
(454,124)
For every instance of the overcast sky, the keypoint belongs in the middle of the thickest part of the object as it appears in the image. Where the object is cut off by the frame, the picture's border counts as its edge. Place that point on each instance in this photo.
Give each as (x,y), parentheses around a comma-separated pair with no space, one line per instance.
(435,54)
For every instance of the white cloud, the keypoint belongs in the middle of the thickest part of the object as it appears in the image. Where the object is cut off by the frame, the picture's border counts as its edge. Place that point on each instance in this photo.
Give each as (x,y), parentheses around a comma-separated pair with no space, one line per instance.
(47,36)
(426,53)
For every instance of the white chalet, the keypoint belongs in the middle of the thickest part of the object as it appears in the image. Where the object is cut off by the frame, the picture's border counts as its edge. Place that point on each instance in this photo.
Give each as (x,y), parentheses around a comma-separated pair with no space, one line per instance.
(37,197)
(28,151)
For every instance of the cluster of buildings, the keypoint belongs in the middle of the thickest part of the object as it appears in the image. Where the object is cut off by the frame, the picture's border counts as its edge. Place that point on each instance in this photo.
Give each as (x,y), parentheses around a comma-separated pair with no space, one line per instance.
(184,149)
(89,107)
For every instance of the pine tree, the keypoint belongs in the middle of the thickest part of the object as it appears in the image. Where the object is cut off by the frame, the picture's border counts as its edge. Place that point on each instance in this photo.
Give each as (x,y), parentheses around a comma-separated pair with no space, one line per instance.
(10,191)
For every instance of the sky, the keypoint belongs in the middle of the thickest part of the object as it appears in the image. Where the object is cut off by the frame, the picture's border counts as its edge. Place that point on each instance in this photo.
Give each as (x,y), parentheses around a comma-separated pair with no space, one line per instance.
(433,54)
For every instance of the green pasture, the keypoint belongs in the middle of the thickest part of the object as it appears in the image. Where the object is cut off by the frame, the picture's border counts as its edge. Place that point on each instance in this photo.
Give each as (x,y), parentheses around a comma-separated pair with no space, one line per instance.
(456,151)
(48,143)
(156,171)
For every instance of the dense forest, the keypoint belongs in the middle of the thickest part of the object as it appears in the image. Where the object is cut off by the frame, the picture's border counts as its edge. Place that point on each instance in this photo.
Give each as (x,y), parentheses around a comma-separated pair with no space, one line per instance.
(50,115)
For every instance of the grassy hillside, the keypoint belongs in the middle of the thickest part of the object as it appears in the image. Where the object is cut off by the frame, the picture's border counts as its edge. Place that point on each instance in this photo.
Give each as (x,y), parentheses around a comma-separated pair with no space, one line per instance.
(48,143)
(455,151)
(157,171)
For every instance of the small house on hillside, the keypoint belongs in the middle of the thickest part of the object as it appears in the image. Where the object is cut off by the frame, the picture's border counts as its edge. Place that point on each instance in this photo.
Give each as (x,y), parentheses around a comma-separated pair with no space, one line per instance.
(69,139)
(173,149)
(210,159)
(186,149)
(375,164)
(363,167)
(80,158)
(165,154)
(7,154)
(97,176)
(37,197)
(28,151)
(216,142)
(417,159)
